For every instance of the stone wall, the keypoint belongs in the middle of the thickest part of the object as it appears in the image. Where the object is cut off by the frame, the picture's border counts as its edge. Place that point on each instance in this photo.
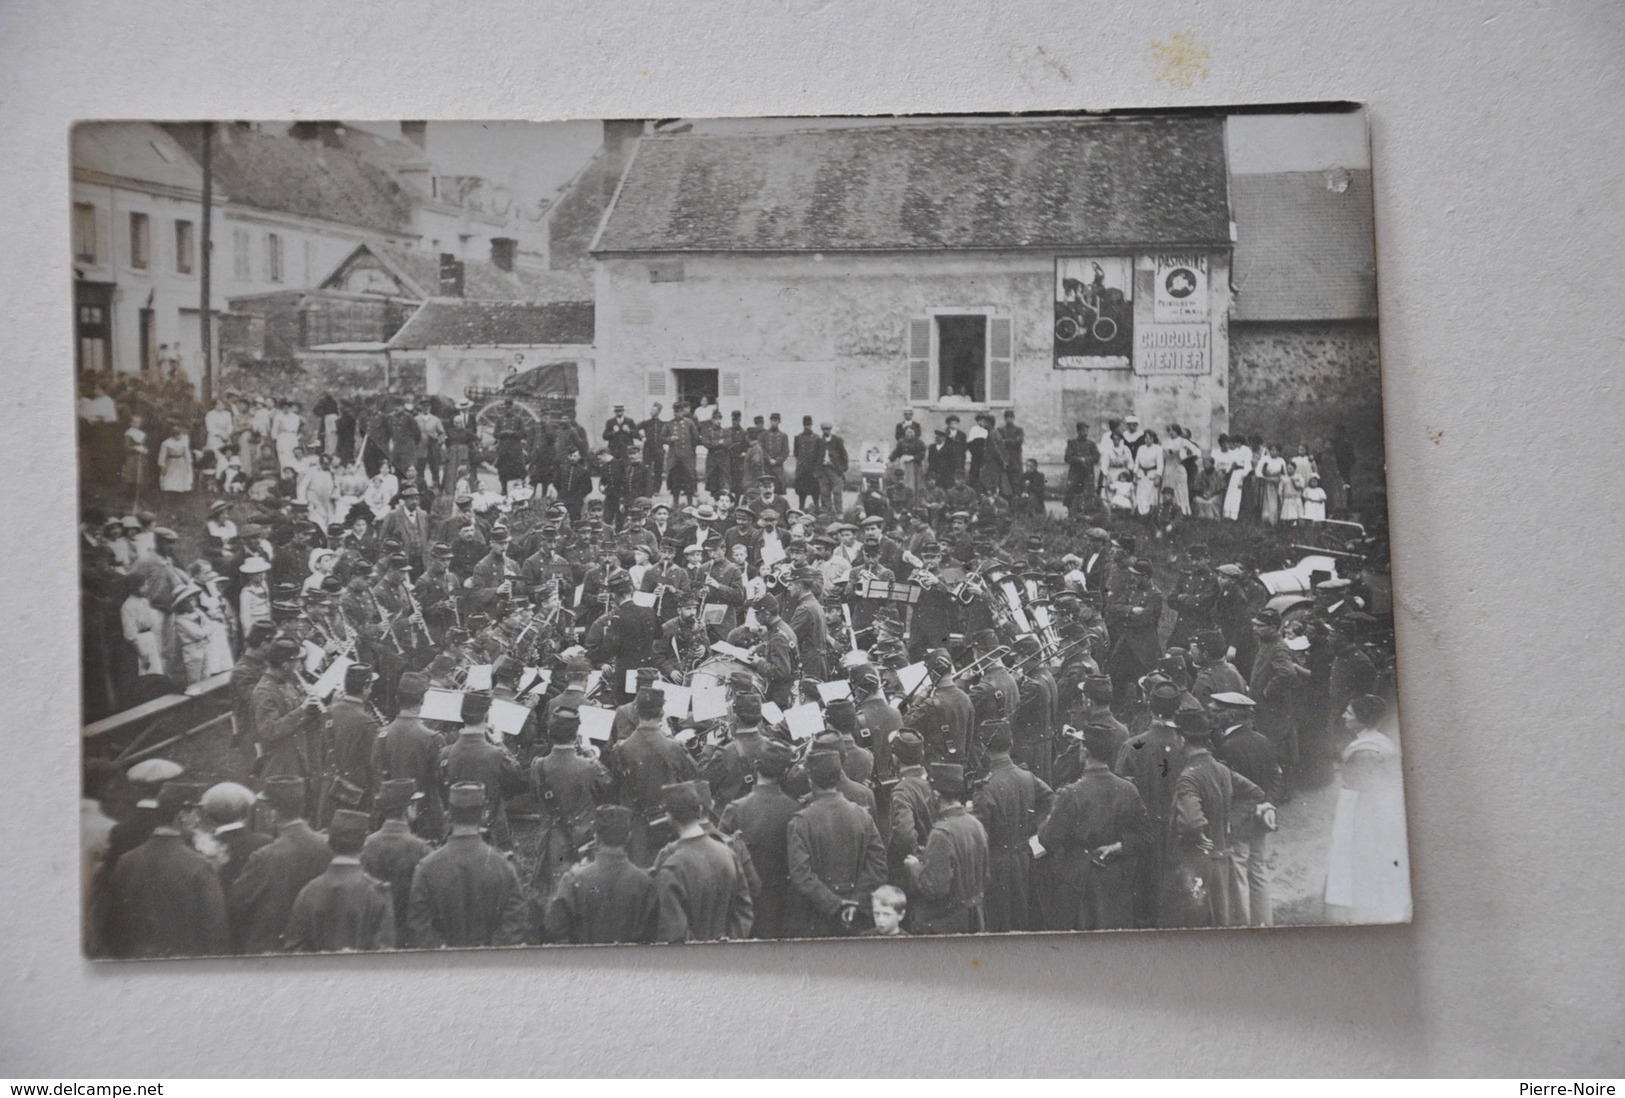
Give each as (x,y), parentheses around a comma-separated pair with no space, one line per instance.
(1294,381)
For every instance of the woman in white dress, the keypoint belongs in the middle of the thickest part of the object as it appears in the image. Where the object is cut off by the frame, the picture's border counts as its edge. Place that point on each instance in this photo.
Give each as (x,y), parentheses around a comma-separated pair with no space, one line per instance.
(1174,475)
(218,658)
(142,625)
(1237,463)
(1148,468)
(175,461)
(1271,468)
(218,427)
(381,491)
(1368,878)
(285,425)
(350,483)
(1115,457)
(321,493)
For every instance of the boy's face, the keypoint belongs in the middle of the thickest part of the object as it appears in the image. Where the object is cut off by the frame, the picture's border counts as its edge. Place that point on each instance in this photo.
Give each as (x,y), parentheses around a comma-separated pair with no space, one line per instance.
(888,920)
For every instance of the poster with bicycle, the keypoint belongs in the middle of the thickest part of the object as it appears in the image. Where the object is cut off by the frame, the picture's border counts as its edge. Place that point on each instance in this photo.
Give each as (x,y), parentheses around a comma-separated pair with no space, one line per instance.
(1094,312)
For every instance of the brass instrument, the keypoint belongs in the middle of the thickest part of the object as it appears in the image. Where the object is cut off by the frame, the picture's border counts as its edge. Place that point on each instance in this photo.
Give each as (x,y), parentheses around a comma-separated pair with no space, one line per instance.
(1008,586)
(981,663)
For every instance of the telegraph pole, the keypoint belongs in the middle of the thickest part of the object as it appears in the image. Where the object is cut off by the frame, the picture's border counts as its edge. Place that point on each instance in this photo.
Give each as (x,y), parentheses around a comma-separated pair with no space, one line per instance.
(205,260)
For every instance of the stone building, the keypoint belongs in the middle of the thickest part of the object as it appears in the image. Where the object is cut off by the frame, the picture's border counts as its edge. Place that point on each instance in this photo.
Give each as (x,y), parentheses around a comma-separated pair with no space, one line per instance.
(1069,269)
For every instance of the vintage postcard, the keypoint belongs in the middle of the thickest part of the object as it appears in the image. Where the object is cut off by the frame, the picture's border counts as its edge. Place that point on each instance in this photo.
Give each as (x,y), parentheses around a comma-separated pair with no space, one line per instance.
(691,530)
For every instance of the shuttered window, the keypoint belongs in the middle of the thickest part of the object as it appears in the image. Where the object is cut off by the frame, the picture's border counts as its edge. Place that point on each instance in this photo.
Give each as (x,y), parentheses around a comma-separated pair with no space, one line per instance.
(919,361)
(655,383)
(998,358)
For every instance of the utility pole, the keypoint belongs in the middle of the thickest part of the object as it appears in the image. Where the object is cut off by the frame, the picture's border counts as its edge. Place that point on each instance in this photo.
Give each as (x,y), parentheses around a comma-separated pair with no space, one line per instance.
(206,259)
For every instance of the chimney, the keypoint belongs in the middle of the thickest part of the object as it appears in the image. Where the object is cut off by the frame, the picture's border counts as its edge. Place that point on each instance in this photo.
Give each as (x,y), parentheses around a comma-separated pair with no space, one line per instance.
(502,251)
(416,132)
(451,276)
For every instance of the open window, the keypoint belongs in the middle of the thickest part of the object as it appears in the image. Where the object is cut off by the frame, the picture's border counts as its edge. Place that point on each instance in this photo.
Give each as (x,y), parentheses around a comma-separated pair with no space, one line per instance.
(959,358)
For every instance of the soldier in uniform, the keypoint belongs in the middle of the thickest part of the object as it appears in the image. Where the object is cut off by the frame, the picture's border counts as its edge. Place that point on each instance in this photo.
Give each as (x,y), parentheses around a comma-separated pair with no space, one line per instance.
(1206,795)
(1133,612)
(163,898)
(392,853)
(1215,673)
(473,758)
(245,675)
(1274,685)
(946,716)
(352,727)
(645,763)
(607,899)
(1037,712)
(1010,804)
(1152,761)
(407,750)
(263,895)
(878,718)
(947,883)
(703,893)
(730,768)
(1241,747)
(344,908)
(568,784)
(858,762)
(836,856)
(466,893)
(911,806)
(761,817)
(282,713)
(1096,833)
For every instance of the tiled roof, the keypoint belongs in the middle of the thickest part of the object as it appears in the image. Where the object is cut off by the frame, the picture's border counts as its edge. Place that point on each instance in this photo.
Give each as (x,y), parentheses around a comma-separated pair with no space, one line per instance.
(134,150)
(1055,183)
(276,172)
(483,280)
(1304,246)
(449,322)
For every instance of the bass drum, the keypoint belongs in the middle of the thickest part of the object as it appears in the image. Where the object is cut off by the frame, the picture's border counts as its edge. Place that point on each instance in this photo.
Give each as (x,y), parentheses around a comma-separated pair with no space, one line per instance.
(719,670)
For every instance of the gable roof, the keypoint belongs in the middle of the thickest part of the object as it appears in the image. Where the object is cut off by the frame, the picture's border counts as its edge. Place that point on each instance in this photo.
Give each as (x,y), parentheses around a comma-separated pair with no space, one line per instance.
(276,172)
(1098,182)
(137,151)
(1305,248)
(418,274)
(447,322)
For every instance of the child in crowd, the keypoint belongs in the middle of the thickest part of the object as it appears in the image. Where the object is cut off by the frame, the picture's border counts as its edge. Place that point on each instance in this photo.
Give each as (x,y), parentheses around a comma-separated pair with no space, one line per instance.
(888,905)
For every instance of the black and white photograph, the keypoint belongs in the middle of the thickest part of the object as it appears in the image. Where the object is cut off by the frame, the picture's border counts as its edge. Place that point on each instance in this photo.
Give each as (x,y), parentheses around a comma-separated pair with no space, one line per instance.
(720,530)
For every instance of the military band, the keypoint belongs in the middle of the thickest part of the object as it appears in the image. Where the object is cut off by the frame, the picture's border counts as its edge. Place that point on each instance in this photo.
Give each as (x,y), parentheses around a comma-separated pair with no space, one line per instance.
(703,724)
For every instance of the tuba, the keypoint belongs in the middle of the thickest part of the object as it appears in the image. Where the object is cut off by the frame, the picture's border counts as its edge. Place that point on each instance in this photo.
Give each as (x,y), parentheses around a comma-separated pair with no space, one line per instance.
(1008,587)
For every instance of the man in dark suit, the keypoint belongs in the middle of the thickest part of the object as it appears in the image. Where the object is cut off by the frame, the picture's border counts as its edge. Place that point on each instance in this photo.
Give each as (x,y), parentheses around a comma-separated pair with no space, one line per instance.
(392,853)
(263,896)
(832,464)
(950,878)
(1011,805)
(762,817)
(344,908)
(1133,610)
(704,896)
(808,624)
(653,433)
(836,856)
(620,433)
(163,898)
(466,893)
(955,445)
(629,636)
(406,750)
(408,524)
(607,899)
(776,451)
(809,453)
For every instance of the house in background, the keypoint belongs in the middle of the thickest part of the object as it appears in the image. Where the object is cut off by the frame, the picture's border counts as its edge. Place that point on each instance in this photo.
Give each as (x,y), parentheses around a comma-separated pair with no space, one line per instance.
(137,208)
(848,273)
(1303,331)
(479,344)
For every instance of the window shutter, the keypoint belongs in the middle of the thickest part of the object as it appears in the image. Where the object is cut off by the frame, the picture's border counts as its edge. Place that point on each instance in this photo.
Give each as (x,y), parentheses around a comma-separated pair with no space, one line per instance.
(919,360)
(654,383)
(998,358)
(731,384)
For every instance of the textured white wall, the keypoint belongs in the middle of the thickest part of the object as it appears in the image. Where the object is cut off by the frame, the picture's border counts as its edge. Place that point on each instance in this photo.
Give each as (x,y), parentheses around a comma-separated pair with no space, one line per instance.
(1497,139)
